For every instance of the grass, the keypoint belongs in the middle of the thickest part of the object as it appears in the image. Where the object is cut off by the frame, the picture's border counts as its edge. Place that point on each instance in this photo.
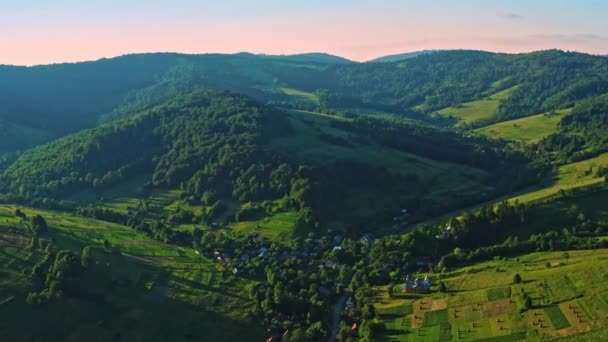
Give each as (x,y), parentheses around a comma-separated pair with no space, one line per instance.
(499,293)
(301,94)
(569,176)
(558,320)
(435,317)
(482,301)
(437,179)
(281,226)
(526,130)
(162,286)
(477,111)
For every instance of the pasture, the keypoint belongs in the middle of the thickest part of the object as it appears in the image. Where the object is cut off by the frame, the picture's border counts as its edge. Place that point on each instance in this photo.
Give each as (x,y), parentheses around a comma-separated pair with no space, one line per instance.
(476,111)
(483,304)
(141,286)
(526,130)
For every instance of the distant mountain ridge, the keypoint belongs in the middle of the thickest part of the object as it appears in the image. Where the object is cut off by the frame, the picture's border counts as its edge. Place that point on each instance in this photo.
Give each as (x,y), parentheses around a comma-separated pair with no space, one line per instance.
(318,57)
(401,56)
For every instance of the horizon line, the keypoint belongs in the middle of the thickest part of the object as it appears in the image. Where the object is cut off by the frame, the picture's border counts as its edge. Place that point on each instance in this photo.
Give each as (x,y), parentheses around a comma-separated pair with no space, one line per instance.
(286,55)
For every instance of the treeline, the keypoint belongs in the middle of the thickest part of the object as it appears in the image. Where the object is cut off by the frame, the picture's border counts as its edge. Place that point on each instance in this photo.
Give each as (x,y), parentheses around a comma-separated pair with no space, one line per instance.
(581,135)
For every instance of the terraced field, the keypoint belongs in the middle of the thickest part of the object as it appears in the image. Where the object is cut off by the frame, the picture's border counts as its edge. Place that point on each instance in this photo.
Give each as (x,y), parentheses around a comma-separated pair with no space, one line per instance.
(569,296)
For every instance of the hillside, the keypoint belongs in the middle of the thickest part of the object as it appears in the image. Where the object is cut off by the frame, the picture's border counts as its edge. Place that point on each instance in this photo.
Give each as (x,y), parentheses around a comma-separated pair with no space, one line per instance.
(224,151)
(237,197)
(71,97)
(400,56)
(482,301)
(529,130)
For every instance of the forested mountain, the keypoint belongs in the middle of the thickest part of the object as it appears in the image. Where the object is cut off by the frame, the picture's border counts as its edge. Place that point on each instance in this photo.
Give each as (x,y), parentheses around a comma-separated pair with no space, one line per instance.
(70,97)
(582,134)
(400,56)
(209,143)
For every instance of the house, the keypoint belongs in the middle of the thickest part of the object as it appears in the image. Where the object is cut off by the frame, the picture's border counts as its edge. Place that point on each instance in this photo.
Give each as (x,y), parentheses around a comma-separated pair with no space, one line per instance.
(445,234)
(367,238)
(417,285)
(263,251)
(349,303)
(235,271)
(337,248)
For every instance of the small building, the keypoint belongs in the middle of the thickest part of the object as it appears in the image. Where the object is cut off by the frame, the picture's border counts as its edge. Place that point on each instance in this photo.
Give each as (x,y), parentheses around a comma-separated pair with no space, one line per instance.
(417,285)
(263,251)
(367,238)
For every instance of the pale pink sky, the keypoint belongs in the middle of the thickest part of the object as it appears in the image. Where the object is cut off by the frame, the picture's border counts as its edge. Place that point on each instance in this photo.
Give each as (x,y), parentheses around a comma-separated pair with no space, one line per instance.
(67,30)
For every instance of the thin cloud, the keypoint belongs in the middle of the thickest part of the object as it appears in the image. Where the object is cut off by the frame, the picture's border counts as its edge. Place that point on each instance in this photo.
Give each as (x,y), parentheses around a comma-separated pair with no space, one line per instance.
(570,38)
(509,15)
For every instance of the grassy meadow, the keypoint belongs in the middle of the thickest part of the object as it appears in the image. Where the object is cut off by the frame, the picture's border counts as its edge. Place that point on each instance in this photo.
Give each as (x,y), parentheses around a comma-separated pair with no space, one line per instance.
(569,295)
(569,176)
(526,130)
(477,111)
(143,285)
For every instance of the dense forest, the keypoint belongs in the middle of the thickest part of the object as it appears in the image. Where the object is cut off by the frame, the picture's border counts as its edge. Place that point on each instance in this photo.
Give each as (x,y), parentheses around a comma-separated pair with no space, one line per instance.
(215,147)
(71,97)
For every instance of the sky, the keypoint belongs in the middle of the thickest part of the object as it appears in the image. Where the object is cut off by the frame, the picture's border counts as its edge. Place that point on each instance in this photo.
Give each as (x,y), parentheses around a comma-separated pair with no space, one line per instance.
(51,31)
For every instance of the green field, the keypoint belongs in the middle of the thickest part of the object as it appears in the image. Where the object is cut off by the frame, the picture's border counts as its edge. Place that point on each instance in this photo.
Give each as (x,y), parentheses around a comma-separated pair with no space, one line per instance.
(301,94)
(160,286)
(279,226)
(569,176)
(482,303)
(526,130)
(477,111)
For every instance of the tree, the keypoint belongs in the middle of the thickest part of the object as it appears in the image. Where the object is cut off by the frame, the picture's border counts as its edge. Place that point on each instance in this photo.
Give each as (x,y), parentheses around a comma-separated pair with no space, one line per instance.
(39,225)
(516,278)
(85,259)
(316,332)
(442,287)
(20,214)
(528,303)
(368,311)
(371,329)
(106,244)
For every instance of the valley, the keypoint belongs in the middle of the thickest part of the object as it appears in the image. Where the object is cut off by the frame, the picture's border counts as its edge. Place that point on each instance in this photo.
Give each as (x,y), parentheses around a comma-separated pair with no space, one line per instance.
(249,197)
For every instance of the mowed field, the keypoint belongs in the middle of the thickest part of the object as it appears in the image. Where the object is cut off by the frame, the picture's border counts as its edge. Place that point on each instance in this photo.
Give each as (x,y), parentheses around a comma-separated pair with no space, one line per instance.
(143,290)
(569,176)
(526,130)
(569,295)
(300,94)
(476,111)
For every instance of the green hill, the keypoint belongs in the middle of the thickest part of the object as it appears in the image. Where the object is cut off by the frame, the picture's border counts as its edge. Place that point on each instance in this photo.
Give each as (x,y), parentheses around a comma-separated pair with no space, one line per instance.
(567,292)
(224,151)
(527,130)
(477,112)
(71,97)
